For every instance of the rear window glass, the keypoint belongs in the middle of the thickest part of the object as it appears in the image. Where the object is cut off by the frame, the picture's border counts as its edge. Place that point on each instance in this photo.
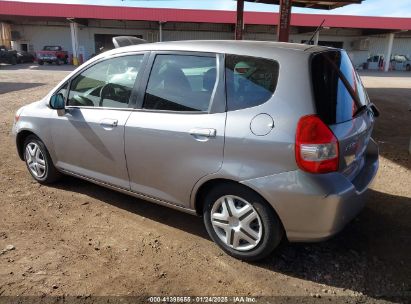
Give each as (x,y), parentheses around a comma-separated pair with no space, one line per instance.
(181,83)
(338,89)
(250,81)
(52,48)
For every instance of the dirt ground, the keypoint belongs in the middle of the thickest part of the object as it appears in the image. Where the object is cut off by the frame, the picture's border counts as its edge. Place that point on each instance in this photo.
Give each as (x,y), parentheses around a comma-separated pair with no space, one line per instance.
(78,239)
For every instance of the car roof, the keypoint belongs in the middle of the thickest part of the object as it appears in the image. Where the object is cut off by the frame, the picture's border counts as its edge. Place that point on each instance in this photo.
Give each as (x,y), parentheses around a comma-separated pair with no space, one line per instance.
(243,47)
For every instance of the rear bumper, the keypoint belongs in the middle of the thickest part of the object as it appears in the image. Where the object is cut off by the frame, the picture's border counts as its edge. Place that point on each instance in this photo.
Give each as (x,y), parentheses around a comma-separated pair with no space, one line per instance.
(314,207)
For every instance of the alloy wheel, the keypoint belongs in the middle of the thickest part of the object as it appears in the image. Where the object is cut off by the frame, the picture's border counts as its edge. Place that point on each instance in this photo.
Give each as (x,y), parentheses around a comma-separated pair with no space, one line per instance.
(35,160)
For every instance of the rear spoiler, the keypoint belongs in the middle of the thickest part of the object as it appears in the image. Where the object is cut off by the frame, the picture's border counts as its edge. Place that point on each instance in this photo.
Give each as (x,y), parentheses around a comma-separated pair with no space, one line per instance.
(121,41)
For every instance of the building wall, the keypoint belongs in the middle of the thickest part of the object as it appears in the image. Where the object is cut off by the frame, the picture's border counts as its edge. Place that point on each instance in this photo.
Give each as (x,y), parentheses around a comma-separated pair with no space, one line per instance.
(40,33)
(401,46)
(38,36)
(195,35)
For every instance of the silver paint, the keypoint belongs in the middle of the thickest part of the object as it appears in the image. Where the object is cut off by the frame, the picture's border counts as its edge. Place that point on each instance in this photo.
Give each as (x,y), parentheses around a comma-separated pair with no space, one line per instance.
(166,157)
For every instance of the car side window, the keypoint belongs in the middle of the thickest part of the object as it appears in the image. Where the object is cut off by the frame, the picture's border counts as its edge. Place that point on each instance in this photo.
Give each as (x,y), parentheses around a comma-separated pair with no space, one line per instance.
(250,81)
(63,90)
(181,83)
(106,84)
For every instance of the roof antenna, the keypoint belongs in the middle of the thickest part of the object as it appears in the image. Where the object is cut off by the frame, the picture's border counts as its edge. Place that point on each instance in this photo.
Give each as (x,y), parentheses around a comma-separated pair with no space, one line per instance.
(315,32)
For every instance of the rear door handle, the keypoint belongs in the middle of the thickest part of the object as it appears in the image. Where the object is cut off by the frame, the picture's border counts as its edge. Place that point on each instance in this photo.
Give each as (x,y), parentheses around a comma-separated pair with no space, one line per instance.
(203,132)
(111,123)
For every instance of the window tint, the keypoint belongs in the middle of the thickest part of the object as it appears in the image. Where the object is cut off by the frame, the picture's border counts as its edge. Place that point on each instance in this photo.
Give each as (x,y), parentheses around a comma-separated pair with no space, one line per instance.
(338,90)
(106,84)
(181,83)
(250,81)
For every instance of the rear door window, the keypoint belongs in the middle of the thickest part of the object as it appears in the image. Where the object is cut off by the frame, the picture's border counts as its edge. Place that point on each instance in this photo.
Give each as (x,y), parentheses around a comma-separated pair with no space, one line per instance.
(250,81)
(181,83)
(338,90)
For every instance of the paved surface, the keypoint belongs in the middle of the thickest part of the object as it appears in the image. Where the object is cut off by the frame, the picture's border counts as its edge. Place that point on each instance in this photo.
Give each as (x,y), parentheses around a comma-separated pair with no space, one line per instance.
(76,238)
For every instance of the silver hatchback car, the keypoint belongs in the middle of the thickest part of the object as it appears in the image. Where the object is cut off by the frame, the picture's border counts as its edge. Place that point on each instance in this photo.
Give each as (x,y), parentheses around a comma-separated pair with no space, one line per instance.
(265,140)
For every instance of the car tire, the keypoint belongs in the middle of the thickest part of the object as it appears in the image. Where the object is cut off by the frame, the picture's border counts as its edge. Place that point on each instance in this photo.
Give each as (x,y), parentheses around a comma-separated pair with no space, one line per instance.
(13,60)
(39,162)
(40,62)
(408,67)
(241,222)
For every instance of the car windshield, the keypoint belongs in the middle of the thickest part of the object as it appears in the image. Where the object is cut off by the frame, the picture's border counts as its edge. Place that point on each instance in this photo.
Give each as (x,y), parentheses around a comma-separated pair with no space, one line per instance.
(51,48)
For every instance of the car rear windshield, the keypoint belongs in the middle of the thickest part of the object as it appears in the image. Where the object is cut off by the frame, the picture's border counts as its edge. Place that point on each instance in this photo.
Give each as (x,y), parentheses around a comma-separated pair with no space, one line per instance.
(51,48)
(338,91)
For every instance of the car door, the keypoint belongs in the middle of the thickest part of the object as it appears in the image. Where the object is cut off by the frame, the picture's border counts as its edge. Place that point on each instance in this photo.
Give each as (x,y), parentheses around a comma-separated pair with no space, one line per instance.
(176,137)
(88,135)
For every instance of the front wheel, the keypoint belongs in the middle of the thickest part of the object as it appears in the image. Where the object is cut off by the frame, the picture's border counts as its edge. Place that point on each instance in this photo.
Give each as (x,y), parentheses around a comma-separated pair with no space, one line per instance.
(38,161)
(40,62)
(241,222)
(408,67)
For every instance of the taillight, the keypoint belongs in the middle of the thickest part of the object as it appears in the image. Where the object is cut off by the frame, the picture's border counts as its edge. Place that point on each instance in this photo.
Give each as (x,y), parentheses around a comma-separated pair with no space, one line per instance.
(316,147)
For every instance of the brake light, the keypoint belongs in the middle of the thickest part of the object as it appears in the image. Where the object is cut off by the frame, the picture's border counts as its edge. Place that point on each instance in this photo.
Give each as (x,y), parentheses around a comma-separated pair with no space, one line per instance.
(316,147)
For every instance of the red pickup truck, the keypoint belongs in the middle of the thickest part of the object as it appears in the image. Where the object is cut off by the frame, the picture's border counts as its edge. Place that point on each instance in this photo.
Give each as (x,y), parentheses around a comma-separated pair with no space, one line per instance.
(52,54)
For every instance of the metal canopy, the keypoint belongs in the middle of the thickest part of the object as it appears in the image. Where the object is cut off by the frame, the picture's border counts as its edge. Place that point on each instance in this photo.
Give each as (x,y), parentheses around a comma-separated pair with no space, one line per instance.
(318,4)
(283,29)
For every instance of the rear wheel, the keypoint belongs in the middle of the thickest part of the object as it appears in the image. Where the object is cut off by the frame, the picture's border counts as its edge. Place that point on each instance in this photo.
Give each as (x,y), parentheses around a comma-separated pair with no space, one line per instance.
(241,222)
(38,161)
(408,67)
(40,62)
(13,60)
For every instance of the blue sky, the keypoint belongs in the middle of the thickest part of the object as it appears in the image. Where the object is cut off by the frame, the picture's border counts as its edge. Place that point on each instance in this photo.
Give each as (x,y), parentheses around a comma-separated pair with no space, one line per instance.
(393,8)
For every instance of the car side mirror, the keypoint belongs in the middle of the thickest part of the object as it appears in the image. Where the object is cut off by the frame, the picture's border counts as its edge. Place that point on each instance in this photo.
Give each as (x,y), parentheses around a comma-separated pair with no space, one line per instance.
(57,102)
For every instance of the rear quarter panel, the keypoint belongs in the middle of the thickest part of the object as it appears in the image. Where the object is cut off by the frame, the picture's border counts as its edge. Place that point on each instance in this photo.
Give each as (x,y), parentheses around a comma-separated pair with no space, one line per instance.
(248,156)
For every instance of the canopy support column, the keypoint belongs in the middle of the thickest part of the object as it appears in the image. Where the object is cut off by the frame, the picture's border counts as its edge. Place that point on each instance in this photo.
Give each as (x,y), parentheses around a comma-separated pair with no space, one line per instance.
(240,20)
(388,52)
(283,30)
(316,37)
(160,31)
(74,42)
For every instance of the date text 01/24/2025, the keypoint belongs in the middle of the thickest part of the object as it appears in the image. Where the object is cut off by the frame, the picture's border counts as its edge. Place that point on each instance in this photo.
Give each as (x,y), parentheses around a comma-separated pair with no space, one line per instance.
(200,299)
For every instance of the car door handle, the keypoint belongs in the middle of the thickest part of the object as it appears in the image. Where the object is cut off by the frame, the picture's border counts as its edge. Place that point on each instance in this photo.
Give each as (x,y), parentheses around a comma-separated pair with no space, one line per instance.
(203,132)
(111,123)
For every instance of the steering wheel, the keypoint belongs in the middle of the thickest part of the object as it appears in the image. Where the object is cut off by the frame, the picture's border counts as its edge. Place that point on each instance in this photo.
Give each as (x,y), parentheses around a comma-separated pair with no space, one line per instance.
(115,92)
(106,91)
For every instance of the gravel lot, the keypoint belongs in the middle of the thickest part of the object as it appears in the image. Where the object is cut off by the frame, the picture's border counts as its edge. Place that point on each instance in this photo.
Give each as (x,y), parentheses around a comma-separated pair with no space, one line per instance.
(75,238)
